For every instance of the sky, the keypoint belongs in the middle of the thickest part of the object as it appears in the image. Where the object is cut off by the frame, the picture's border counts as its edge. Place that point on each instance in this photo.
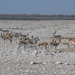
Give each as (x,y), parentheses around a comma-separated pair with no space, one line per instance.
(47,7)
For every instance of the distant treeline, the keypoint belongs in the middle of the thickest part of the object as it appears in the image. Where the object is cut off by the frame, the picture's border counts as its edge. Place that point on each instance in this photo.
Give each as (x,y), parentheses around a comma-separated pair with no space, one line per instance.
(35,17)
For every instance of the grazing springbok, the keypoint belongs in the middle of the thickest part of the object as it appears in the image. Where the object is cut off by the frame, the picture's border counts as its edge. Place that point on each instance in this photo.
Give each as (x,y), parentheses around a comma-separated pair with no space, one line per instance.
(7,36)
(45,44)
(42,43)
(4,32)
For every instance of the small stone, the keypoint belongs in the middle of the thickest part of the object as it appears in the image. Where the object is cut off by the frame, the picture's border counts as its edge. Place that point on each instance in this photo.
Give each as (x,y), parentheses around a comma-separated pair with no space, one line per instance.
(26,70)
(58,62)
(44,63)
(52,53)
(31,62)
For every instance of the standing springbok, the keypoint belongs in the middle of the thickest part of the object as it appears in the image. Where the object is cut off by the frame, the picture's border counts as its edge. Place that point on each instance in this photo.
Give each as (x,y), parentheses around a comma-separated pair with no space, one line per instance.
(56,36)
(23,41)
(33,42)
(54,43)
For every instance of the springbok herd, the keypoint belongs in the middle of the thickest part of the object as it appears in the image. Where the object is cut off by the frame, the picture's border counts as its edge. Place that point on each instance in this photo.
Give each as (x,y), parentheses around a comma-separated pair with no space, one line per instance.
(35,42)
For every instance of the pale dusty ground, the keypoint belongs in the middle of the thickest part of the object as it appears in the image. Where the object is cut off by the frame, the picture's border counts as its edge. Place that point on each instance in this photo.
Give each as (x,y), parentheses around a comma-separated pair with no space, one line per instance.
(37,62)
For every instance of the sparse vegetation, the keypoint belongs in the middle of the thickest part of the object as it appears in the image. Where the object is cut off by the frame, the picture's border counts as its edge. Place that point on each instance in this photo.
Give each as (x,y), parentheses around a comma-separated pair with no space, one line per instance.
(36,17)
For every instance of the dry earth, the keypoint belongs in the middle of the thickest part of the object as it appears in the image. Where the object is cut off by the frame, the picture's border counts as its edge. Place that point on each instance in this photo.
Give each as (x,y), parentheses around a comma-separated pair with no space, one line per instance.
(40,61)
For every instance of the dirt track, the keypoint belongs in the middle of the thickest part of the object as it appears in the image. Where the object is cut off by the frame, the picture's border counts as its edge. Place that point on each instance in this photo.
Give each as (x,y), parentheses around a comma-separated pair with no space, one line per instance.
(40,61)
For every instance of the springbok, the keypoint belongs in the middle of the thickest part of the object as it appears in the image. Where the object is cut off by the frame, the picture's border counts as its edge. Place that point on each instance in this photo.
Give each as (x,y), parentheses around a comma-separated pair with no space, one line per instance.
(5,30)
(34,41)
(7,36)
(64,41)
(54,43)
(72,41)
(31,42)
(16,34)
(23,41)
(50,44)
(42,43)
(45,44)
(25,38)
(23,35)
(56,36)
